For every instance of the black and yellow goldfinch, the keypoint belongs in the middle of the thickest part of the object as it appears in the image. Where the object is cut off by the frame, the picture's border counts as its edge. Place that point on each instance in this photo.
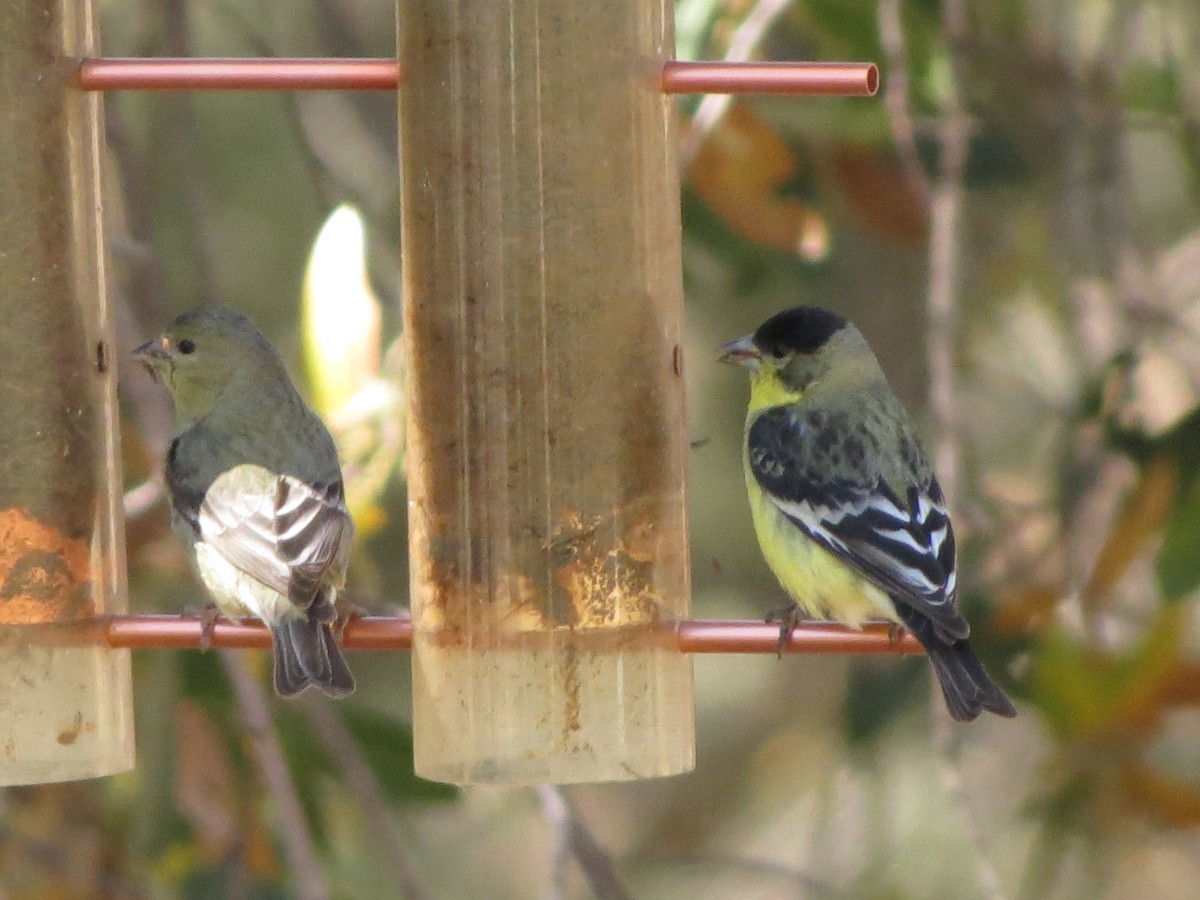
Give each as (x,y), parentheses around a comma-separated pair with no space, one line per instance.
(256,491)
(848,512)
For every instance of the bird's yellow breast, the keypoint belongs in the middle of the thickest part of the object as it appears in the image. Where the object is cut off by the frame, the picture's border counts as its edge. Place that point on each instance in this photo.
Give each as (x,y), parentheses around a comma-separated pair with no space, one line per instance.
(768,390)
(822,585)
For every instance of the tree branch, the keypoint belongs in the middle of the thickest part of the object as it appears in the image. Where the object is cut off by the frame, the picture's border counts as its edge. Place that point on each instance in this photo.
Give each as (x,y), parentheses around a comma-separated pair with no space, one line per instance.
(573,837)
(946,202)
(895,96)
(341,746)
(308,879)
(183,139)
(714,106)
(945,256)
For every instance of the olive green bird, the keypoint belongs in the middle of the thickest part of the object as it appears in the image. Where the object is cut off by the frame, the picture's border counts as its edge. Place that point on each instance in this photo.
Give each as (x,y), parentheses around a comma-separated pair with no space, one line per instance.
(256,491)
(848,512)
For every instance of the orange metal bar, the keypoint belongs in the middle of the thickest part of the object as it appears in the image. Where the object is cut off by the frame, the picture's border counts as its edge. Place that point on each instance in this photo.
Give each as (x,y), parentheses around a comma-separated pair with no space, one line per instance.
(729,636)
(199,74)
(810,78)
(318,74)
(395,633)
(182,632)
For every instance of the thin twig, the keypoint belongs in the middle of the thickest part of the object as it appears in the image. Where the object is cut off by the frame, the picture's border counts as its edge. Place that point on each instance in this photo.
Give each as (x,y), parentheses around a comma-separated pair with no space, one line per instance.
(895,96)
(809,885)
(714,106)
(308,879)
(184,132)
(945,244)
(1044,866)
(946,203)
(570,831)
(319,177)
(341,746)
(952,782)
(556,814)
(137,501)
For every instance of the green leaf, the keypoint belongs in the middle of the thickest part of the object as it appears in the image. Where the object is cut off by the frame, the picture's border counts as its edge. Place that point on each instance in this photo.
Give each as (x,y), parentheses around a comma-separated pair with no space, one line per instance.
(387,746)
(850,27)
(1178,563)
(693,24)
(385,743)
(308,764)
(1151,88)
(877,692)
(203,679)
(225,882)
(1085,691)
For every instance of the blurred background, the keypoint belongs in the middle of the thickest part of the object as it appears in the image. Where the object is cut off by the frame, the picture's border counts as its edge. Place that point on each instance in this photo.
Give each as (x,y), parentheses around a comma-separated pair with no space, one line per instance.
(1013,224)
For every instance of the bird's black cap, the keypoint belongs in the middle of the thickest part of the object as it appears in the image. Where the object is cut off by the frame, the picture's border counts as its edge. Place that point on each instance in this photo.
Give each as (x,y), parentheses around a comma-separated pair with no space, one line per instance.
(804,329)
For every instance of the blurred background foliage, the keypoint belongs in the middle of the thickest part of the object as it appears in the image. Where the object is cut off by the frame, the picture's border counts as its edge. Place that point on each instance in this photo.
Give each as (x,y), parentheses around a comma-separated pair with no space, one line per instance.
(1016,212)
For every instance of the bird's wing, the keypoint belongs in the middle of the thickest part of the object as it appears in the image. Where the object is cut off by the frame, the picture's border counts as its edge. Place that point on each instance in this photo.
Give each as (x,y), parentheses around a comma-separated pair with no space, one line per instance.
(278,529)
(313,531)
(187,492)
(905,546)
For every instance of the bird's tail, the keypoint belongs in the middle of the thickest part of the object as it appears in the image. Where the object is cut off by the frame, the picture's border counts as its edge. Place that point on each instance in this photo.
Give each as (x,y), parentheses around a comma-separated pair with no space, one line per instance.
(966,685)
(306,653)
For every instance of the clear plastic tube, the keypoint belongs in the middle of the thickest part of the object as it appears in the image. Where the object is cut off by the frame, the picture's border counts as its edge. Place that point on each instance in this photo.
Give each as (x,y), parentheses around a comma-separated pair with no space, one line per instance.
(548,448)
(65,711)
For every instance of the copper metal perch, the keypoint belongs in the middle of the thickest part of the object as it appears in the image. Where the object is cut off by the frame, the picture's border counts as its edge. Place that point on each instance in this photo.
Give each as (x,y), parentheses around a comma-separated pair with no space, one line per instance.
(395,633)
(251,74)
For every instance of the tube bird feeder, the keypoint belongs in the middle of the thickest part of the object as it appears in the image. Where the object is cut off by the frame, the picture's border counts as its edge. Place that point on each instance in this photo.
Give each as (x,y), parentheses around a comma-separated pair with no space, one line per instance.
(65,711)
(543,315)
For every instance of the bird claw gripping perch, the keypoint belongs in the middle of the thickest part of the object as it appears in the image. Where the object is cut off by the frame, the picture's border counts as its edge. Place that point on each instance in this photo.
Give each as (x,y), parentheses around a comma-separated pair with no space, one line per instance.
(787,617)
(208,617)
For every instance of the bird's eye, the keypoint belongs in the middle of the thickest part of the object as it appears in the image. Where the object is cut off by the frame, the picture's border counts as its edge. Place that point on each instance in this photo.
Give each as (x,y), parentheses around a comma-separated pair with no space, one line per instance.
(777,352)
(186,346)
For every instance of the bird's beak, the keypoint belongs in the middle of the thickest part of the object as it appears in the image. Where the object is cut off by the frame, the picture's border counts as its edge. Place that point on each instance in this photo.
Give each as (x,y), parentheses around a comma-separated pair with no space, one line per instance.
(741,352)
(153,355)
(152,350)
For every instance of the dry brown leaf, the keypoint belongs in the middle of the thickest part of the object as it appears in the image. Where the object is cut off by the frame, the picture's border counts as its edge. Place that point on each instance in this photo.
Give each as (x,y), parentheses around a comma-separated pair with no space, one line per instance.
(738,171)
(1143,515)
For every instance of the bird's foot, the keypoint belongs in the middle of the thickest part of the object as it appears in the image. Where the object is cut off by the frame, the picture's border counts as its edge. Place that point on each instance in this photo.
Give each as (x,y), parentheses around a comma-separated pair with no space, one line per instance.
(896,633)
(347,612)
(787,617)
(207,614)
